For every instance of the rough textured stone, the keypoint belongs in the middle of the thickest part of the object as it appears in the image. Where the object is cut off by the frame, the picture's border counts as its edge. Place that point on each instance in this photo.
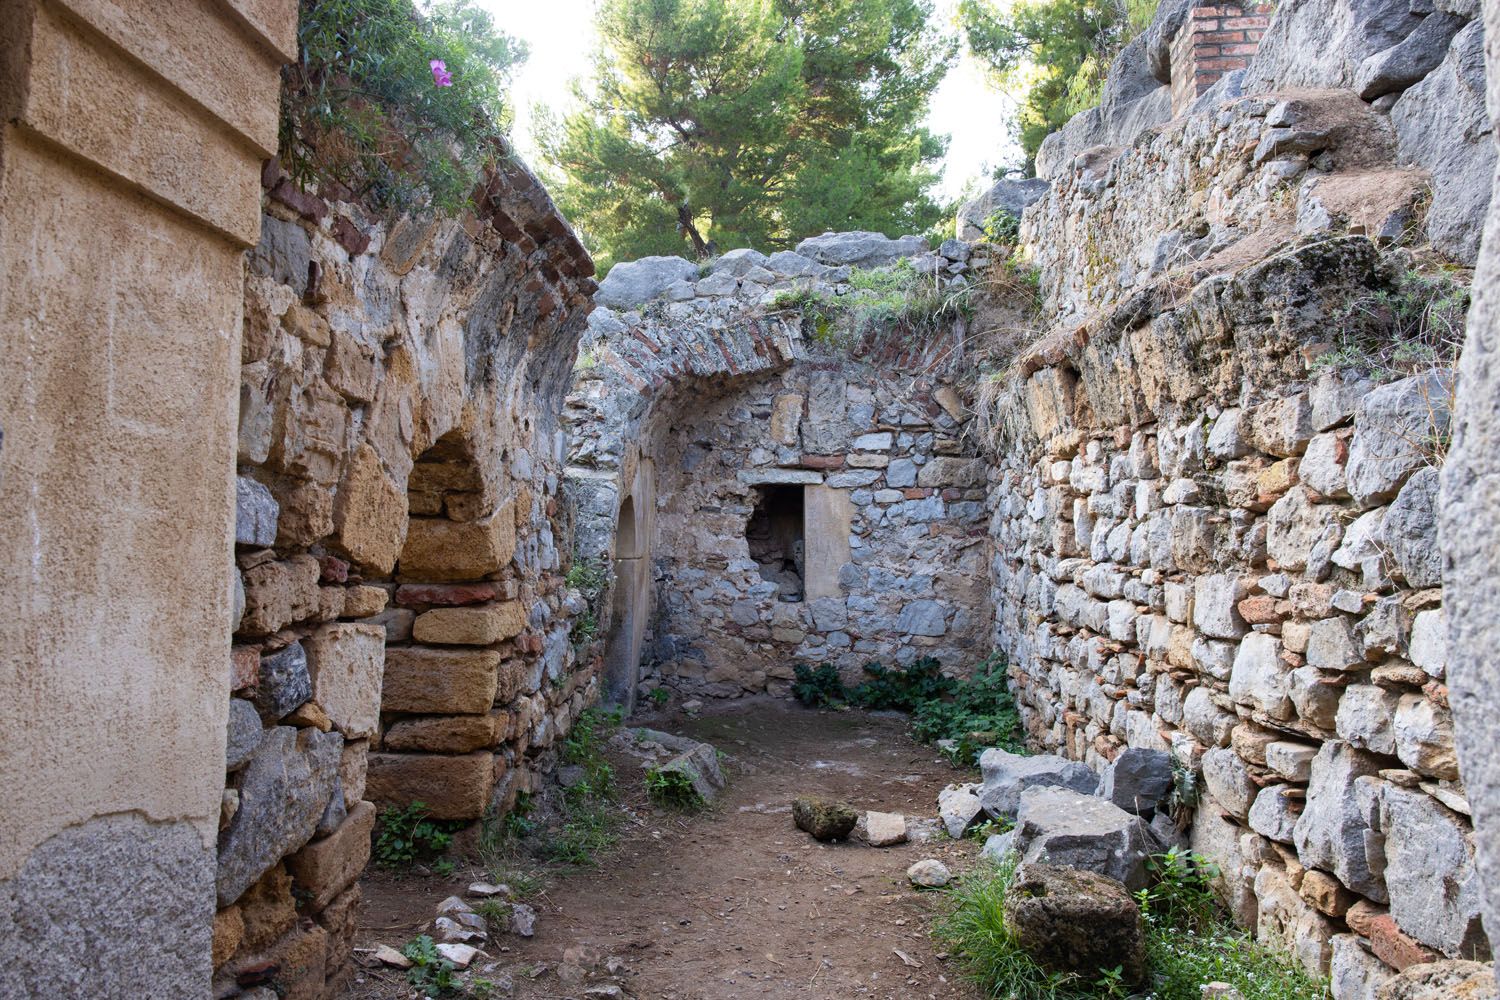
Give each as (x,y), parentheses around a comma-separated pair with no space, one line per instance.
(1287,924)
(1366,718)
(245,734)
(1006,776)
(883,829)
(1435,892)
(283,791)
(256,514)
(859,249)
(1452,980)
(346,664)
(1010,196)
(1138,780)
(329,865)
(1076,922)
(1395,427)
(1228,781)
(1260,678)
(1409,532)
(824,820)
(452,787)
(1059,826)
(1339,830)
(470,626)
(284,682)
(959,809)
(426,680)
(633,283)
(437,549)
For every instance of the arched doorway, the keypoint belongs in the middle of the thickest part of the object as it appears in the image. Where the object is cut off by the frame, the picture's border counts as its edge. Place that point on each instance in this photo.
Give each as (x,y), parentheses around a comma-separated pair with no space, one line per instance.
(628,602)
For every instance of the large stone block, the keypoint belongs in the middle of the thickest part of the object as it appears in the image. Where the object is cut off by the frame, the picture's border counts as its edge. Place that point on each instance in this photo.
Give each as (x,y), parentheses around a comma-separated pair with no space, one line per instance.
(1260,678)
(1138,780)
(1354,973)
(1366,718)
(1058,826)
(1435,891)
(256,514)
(1286,923)
(283,791)
(442,733)
(1007,775)
(278,594)
(1218,840)
(1410,532)
(1228,780)
(1396,428)
(283,682)
(1424,737)
(470,626)
(1076,922)
(369,514)
(442,551)
(1215,600)
(422,680)
(450,787)
(346,663)
(1339,830)
(329,865)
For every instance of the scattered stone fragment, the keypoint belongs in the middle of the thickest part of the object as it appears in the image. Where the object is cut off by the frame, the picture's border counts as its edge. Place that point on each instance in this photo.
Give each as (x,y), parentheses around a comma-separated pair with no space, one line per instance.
(522,920)
(929,873)
(1076,922)
(1008,775)
(959,809)
(386,955)
(1058,826)
(884,829)
(459,954)
(823,819)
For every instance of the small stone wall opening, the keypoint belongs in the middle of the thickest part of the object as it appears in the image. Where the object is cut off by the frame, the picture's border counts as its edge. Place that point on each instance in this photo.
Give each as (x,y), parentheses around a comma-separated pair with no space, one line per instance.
(775,533)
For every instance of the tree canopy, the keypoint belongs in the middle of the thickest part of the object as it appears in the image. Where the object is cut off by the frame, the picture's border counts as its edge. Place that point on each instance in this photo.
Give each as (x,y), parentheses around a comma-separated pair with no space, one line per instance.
(1057,51)
(715,124)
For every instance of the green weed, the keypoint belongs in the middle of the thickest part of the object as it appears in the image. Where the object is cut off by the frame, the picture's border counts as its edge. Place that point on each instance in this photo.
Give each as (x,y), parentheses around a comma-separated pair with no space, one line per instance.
(672,790)
(429,971)
(405,836)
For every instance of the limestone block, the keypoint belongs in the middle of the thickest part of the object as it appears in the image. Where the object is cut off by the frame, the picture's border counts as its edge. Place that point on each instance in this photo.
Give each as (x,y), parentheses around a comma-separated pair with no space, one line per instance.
(1227,437)
(1366,718)
(1429,642)
(327,866)
(1287,924)
(442,551)
(267,909)
(948,471)
(256,514)
(1208,723)
(1060,826)
(1441,981)
(786,419)
(1435,889)
(361,601)
(1409,531)
(1075,922)
(451,787)
(278,594)
(1325,894)
(306,515)
(229,932)
(352,367)
(928,618)
(479,625)
(1281,427)
(1354,973)
(346,663)
(300,957)
(959,809)
(1260,678)
(1292,761)
(1218,840)
(1339,830)
(1215,597)
(1295,525)
(1363,550)
(1138,780)
(283,791)
(245,732)
(1228,780)
(315,432)
(1316,698)
(353,769)
(1423,733)
(369,514)
(1322,466)
(1395,426)
(1006,776)
(1274,813)
(423,680)
(442,733)
(1332,644)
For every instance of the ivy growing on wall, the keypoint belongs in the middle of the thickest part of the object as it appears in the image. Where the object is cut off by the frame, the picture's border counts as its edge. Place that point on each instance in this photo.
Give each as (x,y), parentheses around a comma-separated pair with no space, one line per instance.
(400,106)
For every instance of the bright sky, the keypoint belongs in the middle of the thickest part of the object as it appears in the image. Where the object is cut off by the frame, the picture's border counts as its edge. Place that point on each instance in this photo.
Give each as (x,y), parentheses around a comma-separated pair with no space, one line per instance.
(561,36)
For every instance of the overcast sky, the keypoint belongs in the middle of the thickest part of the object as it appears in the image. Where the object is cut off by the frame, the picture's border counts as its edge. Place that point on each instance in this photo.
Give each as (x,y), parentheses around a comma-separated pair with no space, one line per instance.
(561,36)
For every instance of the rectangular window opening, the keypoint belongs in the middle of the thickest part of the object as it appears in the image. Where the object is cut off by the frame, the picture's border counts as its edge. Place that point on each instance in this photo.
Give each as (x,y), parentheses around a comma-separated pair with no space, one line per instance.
(775,536)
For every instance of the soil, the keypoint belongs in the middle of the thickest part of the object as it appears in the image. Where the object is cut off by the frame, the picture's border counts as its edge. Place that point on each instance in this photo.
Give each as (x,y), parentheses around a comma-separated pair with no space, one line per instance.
(734,901)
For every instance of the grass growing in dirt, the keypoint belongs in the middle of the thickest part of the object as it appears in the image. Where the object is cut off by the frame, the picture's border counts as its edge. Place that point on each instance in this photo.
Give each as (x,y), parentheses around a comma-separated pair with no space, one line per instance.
(893,300)
(1189,941)
(672,790)
(404,837)
(976,712)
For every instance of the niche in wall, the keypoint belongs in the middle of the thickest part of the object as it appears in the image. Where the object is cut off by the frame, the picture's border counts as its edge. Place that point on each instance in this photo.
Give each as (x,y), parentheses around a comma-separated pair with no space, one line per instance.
(775,534)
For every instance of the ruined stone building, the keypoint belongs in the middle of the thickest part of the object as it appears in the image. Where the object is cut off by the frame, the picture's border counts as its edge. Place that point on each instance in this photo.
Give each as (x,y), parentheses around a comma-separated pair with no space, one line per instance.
(289,489)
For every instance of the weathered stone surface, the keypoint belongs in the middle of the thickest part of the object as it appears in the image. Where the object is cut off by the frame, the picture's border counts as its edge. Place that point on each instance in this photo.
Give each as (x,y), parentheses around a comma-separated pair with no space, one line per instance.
(883,829)
(1450,980)
(859,249)
(1354,973)
(1408,61)
(284,682)
(256,513)
(929,873)
(346,663)
(1323,43)
(329,865)
(1339,830)
(1006,776)
(1260,678)
(699,763)
(634,283)
(1366,718)
(1395,430)
(283,792)
(279,593)
(1424,737)
(470,626)
(1228,781)
(441,733)
(1059,826)
(1010,196)
(1429,642)
(823,819)
(1076,922)
(1138,780)
(245,733)
(424,680)
(959,809)
(1274,813)
(1293,761)
(440,550)
(1410,534)
(1287,924)
(1215,600)
(369,513)
(1435,892)
(1332,644)
(1218,840)
(452,787)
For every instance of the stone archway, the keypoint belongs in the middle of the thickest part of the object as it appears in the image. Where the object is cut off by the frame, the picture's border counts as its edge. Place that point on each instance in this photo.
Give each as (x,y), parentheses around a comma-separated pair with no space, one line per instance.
(448,656)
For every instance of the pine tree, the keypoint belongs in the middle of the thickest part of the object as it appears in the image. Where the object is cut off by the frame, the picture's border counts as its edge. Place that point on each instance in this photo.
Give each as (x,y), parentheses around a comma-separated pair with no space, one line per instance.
(716,124)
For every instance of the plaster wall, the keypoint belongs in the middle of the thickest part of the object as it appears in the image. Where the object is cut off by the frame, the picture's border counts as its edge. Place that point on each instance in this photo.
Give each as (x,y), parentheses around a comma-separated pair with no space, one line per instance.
(129,160)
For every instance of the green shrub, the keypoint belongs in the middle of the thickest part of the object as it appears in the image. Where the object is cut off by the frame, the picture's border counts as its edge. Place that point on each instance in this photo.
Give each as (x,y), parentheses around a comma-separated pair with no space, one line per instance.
(1002,226)
(672,789)
(819,688)
(587,577)
(1189,941)
(905,689)
(980,713)
(361,108)
(406,836)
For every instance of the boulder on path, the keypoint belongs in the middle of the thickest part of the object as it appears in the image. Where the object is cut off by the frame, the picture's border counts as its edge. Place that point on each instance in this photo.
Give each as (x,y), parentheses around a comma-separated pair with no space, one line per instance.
(1007,775)
(929,873)
(1059,826)
(959,809)
(1075,921)
(823,819)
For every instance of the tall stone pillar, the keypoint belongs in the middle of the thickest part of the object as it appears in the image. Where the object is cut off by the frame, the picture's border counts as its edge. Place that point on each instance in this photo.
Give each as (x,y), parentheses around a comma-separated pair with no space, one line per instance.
(1471,534)
(132,134)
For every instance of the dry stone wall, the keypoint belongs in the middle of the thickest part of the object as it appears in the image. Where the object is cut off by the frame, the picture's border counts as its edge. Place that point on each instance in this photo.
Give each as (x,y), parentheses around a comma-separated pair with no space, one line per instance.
(876,551)
(403,626)
(1209,542)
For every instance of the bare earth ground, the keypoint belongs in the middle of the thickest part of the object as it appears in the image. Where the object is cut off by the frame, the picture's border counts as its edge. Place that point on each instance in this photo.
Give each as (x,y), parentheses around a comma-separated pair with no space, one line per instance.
(735,902)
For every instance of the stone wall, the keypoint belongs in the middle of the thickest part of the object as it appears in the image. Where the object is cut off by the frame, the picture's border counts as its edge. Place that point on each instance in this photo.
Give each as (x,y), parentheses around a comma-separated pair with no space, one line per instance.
(714,388)
(405,628)
(1214,538)
(131,138)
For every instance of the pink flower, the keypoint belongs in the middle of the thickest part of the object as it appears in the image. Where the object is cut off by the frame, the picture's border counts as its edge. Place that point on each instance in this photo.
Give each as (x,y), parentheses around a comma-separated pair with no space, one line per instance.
(440,74)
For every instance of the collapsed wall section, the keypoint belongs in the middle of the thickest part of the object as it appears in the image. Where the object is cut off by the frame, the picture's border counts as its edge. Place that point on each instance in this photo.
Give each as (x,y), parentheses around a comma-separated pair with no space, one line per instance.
(403,631)
(1214,523)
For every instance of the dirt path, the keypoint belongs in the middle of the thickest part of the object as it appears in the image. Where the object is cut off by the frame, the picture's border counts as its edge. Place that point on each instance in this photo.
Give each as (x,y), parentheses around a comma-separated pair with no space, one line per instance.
(736,902)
